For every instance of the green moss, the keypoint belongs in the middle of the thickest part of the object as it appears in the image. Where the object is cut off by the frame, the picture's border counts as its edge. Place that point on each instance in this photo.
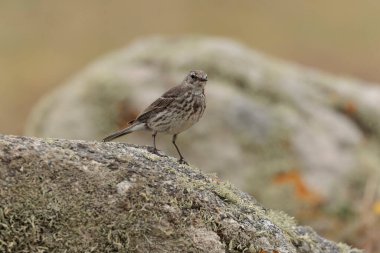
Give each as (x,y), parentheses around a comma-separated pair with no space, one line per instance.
(282,220)
(52,204)
(151,157)
(344,248)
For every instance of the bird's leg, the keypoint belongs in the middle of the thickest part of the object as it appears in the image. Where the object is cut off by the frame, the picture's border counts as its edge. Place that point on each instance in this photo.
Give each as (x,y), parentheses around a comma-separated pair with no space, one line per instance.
(154,150)
(154,141)
(181,159)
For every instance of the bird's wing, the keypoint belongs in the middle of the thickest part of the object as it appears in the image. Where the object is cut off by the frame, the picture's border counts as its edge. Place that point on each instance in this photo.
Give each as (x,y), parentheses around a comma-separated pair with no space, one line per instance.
(161,103)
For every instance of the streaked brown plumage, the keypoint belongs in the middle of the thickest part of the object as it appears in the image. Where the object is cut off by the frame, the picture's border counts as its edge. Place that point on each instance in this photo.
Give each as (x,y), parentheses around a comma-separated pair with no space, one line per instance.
(175,111)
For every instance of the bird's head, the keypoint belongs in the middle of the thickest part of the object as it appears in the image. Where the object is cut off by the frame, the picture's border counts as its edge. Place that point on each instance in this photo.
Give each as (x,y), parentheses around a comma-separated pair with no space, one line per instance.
(197,78)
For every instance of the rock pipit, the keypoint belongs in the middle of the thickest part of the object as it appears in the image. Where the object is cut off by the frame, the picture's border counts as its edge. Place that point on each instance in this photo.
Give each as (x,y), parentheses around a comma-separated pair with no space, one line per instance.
(175,111)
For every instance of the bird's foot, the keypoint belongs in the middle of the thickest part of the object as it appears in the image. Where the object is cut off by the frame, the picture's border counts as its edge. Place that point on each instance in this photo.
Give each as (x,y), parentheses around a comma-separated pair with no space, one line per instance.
(182,161)
(155,151)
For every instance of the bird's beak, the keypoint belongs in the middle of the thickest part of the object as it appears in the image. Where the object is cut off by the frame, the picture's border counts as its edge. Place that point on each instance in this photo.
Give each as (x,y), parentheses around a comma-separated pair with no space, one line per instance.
(204,79)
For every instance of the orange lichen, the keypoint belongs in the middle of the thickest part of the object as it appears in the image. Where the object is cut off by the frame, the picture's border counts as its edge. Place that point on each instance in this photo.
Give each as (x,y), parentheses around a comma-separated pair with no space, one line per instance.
(376,208)
(350,108)
(302,191)
(126,113)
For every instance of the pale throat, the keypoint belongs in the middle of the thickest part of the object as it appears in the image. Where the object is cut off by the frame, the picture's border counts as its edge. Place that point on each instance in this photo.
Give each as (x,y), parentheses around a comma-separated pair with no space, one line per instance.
(198,90)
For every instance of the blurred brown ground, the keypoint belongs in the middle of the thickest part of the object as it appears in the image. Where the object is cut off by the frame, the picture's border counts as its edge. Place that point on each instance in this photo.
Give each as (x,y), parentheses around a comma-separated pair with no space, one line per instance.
(43,43)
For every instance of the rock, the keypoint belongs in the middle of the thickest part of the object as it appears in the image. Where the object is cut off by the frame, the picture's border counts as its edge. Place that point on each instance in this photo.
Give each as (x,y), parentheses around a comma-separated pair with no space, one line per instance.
(60,195)
(304,136)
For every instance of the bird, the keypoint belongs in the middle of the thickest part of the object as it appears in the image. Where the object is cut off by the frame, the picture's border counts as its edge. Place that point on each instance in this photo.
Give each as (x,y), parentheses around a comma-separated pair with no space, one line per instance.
(175,111)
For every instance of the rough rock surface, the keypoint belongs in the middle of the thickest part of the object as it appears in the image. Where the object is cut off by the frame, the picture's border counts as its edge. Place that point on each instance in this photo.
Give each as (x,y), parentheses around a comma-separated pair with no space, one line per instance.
(267,122)
(77,196)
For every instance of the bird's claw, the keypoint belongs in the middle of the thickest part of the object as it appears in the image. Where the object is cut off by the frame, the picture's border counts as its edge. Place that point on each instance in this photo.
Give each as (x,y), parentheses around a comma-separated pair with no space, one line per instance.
(182,161)
(155,151)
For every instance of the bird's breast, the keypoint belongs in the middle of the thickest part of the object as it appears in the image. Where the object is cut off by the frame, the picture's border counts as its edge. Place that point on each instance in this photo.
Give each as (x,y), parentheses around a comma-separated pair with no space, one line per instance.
(180,115)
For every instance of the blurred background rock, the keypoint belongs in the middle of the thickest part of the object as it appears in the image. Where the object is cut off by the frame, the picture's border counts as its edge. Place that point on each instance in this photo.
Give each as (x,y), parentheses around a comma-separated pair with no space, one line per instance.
(307,142)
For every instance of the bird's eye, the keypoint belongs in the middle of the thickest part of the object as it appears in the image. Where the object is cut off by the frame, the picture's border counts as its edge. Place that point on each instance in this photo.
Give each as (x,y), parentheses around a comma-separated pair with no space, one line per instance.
(193,76)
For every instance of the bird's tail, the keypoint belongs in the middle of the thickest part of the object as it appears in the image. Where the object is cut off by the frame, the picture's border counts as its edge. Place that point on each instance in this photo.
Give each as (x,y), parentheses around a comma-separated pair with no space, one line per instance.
(132,128)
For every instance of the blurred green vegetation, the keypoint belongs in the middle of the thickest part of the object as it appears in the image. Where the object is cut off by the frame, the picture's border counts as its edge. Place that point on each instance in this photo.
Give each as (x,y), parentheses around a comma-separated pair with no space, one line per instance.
(43,42)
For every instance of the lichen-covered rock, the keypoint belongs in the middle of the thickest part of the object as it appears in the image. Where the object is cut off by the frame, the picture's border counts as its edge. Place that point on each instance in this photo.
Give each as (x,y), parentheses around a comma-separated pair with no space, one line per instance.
(76,196)
(306,137)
